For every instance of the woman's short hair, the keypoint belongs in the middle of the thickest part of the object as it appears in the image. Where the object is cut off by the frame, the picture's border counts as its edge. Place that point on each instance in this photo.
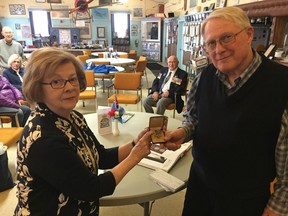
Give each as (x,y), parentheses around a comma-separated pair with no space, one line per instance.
(13,57)
(46,60)
(233,14)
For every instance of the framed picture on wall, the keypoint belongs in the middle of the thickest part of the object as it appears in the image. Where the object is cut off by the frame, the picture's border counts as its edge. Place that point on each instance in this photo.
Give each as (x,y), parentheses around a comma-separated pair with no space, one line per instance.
(100,32)
(17,9)
(54,1)
(85,31)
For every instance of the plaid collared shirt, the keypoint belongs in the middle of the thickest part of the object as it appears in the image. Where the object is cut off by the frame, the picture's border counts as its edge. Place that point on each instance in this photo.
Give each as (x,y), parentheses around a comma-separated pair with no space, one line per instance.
(278,201)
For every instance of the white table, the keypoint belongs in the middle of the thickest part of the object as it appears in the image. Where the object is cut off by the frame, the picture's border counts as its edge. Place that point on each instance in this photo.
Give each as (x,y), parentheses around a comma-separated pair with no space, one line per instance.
(107,53)
(136,186)
(113,61)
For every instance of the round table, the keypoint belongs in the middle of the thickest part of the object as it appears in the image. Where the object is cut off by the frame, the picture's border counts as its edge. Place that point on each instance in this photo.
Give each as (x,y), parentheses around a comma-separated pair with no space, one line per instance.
(97,53)
(136,186)
(113,61)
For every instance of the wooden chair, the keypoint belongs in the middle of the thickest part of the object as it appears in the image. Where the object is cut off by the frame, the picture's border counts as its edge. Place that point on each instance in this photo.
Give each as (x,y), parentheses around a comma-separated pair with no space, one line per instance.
(103,76)
(126,83)
(141,68)
(123,56)
(6,119)
(172,106)
(87,52)
(91,92)
(82,58)
(10,135)
(132,54)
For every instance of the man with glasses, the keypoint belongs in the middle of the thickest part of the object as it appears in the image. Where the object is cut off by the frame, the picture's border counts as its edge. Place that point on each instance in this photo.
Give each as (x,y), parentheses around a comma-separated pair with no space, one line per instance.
(8,46)
(237,116)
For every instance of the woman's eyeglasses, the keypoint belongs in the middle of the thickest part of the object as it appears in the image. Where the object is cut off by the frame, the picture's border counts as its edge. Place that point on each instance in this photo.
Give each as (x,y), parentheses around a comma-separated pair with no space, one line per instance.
(224,40)
(61,83)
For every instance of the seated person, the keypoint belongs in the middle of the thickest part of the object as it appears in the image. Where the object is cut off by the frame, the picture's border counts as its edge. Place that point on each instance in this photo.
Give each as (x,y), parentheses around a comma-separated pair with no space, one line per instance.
(14,74)
(10,99)
(164,86)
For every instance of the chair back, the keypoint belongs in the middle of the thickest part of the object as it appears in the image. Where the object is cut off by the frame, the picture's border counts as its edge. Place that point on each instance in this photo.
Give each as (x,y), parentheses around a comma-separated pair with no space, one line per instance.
(101,62)
(87,52)
(141,66)
(123,55)
(127,81)
(88,93)
(132,56)
(89,74)
(82,58)
(132,51)
(142,58)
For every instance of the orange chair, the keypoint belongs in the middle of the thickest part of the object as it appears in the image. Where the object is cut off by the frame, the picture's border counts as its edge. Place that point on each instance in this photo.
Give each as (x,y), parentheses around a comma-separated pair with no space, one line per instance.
(10,135)
(126,83)
(91,92)
(82,58)
(87,52)
(140,67)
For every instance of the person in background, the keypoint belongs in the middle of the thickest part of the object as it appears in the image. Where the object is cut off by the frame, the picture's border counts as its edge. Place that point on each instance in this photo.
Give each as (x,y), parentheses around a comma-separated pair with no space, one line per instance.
(11,99)
(58,155)
(8,46)
(237,116)
(14,74)
(154,31)
(171,79)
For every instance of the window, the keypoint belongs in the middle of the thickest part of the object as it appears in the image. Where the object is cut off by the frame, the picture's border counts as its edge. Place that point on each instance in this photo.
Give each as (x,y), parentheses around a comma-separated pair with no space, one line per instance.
(40,27)
(120,24)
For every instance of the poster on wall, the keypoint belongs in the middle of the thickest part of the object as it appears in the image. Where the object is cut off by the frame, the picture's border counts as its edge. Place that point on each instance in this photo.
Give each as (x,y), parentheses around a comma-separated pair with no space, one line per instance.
(100,13)
(192,3)
(60,12)
(137,12)
(85,32)
(26,31)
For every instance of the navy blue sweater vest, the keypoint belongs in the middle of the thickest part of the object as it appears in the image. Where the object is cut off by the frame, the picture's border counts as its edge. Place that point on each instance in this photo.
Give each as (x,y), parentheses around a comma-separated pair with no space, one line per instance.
(235,139)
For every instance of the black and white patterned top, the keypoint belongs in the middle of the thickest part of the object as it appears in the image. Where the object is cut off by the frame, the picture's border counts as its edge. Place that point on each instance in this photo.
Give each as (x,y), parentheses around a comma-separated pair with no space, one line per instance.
(57,166)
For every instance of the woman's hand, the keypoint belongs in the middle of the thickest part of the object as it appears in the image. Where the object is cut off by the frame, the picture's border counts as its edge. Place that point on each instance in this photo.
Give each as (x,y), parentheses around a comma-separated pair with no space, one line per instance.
(142,147)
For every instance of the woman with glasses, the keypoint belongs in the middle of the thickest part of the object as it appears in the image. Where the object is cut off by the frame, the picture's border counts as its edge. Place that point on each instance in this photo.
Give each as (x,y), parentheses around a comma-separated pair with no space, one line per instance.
(237,116)
(15,73)
(58,155)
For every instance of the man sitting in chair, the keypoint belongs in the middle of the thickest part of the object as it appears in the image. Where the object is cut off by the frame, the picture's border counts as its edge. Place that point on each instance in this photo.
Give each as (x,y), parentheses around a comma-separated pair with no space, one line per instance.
(171,79)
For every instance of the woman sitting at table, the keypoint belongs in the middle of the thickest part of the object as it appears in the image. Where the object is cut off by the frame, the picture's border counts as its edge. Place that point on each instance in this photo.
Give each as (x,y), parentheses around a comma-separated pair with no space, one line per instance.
(58,155)
(15,73)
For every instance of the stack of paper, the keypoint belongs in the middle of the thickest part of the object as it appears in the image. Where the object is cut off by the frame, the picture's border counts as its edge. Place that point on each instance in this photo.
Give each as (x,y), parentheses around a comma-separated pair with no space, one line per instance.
(164,159)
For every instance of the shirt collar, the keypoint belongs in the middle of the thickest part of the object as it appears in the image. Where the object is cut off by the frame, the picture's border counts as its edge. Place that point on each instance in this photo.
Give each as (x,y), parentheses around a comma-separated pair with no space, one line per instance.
(242,79)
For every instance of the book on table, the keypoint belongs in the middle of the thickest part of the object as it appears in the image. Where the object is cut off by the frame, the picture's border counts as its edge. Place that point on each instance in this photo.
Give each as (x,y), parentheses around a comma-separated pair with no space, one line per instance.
(163,158)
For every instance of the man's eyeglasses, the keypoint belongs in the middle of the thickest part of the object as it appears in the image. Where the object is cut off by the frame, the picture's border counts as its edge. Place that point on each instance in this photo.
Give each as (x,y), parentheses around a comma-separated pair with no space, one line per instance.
(61,83)
(224,40)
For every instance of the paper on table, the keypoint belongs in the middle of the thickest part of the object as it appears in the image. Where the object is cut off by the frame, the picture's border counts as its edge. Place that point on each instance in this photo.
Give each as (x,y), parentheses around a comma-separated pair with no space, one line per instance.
(104,121)
(166,159)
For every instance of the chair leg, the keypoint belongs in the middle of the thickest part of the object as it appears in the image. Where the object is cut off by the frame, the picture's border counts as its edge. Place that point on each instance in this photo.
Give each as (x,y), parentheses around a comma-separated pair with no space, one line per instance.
(83,103)
(103,84)
(174,113)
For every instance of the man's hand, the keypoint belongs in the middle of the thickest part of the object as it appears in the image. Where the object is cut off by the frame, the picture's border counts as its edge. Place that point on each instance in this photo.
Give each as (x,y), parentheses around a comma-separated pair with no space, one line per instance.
(165,94)
(155,96)
(174,138)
